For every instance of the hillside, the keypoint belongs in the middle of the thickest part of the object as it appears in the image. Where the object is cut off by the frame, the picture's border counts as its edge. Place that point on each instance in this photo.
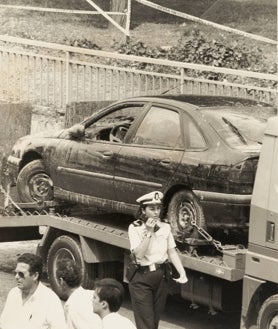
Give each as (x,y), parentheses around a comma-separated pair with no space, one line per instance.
(152,27)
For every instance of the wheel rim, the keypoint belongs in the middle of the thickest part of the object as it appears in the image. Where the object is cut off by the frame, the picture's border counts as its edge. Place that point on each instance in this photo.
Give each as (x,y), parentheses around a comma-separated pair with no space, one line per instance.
(186,213)
(272,323)
(40,186)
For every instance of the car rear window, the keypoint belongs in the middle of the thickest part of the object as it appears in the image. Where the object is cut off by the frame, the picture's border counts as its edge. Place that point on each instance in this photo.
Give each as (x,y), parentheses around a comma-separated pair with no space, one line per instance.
(238,130)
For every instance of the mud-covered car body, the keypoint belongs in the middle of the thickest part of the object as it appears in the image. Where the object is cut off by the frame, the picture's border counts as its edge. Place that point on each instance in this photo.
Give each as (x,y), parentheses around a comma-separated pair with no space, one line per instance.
(203,145)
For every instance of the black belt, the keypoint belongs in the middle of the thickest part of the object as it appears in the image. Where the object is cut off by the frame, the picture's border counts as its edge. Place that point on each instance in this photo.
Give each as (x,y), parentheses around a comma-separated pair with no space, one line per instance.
(151,268)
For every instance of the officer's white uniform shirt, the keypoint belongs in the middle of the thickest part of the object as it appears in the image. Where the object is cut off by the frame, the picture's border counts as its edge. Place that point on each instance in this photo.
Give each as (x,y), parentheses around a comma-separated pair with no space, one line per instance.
(114,321)
(43,310)
(160,242)
(79,310)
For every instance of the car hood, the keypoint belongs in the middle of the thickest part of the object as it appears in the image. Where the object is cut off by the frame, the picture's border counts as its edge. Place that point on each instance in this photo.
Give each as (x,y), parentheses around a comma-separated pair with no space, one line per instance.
(57,134)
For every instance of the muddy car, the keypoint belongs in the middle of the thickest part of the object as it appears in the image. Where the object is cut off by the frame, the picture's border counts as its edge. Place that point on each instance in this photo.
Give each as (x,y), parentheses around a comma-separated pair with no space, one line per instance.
(200,151)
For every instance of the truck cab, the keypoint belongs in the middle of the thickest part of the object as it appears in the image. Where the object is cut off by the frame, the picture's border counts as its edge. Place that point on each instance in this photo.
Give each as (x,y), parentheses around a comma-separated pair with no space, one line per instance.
(260,283)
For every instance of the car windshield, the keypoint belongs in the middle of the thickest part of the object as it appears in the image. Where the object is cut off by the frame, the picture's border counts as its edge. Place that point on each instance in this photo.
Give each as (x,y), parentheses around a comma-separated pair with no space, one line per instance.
(238,130)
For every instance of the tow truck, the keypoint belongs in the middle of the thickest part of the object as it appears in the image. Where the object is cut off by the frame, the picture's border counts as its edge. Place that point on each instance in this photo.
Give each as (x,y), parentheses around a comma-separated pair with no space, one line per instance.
(221,276)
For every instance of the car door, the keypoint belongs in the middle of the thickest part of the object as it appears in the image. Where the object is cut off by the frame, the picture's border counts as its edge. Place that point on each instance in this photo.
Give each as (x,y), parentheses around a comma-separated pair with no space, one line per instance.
(152,155)
(89,169)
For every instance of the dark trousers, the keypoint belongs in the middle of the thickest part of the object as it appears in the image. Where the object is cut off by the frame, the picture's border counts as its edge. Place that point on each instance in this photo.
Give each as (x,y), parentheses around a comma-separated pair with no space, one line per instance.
(148,293)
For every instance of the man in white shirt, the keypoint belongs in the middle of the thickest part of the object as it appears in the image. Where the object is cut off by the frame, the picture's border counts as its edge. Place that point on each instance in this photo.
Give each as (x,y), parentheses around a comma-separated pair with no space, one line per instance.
(107,300)
(78,307)
(31,305)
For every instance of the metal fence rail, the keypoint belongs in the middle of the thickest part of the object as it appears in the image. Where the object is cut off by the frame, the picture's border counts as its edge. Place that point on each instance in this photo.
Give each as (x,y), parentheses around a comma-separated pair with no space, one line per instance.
(53,75)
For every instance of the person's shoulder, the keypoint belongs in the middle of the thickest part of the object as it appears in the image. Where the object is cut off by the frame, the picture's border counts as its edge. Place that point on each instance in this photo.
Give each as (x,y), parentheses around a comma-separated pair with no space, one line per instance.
(44,290)
(122,321)
(136,223)
(165,220)
(14,291)
(127,323)
(165,224)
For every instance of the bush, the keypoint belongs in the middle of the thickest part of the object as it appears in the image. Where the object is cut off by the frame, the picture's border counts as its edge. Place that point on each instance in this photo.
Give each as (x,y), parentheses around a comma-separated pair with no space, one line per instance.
(196,49)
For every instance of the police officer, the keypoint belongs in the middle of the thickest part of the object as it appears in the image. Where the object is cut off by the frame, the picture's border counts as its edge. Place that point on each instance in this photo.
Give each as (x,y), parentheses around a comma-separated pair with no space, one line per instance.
(153,245)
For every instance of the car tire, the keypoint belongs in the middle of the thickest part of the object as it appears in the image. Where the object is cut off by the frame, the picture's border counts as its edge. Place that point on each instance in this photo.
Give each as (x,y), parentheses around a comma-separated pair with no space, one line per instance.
(267,313)
(183,208)
(34,183)
(68,247)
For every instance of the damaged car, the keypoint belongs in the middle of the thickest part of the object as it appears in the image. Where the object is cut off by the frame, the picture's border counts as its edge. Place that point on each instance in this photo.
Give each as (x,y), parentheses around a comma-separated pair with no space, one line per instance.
(200,151)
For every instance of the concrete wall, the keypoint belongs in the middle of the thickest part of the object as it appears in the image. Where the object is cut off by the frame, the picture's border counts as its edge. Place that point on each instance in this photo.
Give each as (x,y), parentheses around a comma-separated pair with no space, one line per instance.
(15,122)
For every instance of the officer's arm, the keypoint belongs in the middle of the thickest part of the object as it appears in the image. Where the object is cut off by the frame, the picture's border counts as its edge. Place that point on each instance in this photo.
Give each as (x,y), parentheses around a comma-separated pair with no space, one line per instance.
(175,260)
(139,249)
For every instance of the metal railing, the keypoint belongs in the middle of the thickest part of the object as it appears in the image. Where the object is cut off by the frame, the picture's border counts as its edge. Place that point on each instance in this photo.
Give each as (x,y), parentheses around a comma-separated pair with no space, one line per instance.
(53,75)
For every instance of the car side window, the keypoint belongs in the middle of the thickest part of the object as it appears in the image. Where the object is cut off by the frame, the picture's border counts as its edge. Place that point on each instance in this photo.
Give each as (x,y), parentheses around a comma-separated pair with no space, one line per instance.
(113,126)
(160,127)
(193,137)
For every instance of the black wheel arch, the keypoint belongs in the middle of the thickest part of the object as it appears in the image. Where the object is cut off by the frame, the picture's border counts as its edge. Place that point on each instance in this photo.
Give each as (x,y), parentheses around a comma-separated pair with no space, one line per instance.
(263,292)
(29,157)
(46,242)
(170,193)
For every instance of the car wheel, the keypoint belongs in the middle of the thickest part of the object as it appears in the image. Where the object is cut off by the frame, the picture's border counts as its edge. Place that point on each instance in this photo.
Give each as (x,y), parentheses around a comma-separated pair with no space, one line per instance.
(268,314)
(34,183)
(182,210)
(67,247)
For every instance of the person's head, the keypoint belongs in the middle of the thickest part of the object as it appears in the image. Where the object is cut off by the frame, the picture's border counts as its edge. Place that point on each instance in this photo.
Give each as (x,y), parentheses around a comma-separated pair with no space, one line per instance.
(108,296)
(28,271)
(150,205)
(69,273)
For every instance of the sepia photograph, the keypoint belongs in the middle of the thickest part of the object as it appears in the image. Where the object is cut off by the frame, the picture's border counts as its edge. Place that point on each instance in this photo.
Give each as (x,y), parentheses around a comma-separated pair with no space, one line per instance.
(138,164)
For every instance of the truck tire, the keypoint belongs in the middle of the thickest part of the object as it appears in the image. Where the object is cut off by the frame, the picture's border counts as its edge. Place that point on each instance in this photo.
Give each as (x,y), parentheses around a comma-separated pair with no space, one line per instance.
(68,247)
(34,183)
(183,208)
(267,313)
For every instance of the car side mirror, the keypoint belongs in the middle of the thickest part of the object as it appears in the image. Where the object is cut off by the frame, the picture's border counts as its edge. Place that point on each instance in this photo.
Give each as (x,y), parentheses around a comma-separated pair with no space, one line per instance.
(77,131)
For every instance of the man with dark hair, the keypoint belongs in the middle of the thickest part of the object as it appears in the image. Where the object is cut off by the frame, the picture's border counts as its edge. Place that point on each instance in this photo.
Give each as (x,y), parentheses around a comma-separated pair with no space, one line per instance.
(78,307)
(31,305)
(107,300)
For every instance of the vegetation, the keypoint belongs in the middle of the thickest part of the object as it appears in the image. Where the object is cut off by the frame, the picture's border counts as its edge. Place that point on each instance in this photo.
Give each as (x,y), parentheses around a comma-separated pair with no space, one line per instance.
(156,34)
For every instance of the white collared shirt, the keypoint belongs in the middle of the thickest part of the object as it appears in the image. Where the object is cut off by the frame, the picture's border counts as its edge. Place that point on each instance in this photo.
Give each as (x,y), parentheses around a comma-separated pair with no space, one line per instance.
(43,310)
(115,320)
(79,311)
(161,241)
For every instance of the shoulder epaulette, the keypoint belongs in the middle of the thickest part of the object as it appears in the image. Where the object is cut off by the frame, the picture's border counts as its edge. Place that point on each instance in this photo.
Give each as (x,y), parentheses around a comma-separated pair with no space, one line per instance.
(137,222)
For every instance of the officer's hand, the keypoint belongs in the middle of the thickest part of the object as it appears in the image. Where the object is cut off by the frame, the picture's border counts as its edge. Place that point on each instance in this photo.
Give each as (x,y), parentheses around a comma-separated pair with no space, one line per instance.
(150,224)
(182,279)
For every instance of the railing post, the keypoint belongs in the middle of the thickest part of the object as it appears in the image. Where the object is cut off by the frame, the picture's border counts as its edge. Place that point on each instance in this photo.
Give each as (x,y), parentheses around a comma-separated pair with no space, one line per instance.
(127,25)
(182,81)
(68,78)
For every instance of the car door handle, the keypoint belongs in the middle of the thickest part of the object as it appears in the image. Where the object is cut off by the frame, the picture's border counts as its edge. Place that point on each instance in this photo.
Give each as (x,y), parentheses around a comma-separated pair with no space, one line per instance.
(166,162)
(107,154)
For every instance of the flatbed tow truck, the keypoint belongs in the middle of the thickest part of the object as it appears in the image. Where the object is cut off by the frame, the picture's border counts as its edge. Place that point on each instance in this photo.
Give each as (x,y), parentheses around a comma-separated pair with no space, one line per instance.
(224,279)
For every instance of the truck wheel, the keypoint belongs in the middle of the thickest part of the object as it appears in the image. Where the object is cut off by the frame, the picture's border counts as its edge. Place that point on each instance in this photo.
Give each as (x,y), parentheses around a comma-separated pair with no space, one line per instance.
(34,183)
(183,208)
(68,247)
(268,314)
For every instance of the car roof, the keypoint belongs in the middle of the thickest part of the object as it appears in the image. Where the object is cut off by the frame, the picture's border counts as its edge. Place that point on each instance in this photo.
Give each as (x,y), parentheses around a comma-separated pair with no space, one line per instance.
(205,100)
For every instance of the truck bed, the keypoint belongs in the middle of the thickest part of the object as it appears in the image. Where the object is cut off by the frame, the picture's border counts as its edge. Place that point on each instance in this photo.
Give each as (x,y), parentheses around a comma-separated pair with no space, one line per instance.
(113,231)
